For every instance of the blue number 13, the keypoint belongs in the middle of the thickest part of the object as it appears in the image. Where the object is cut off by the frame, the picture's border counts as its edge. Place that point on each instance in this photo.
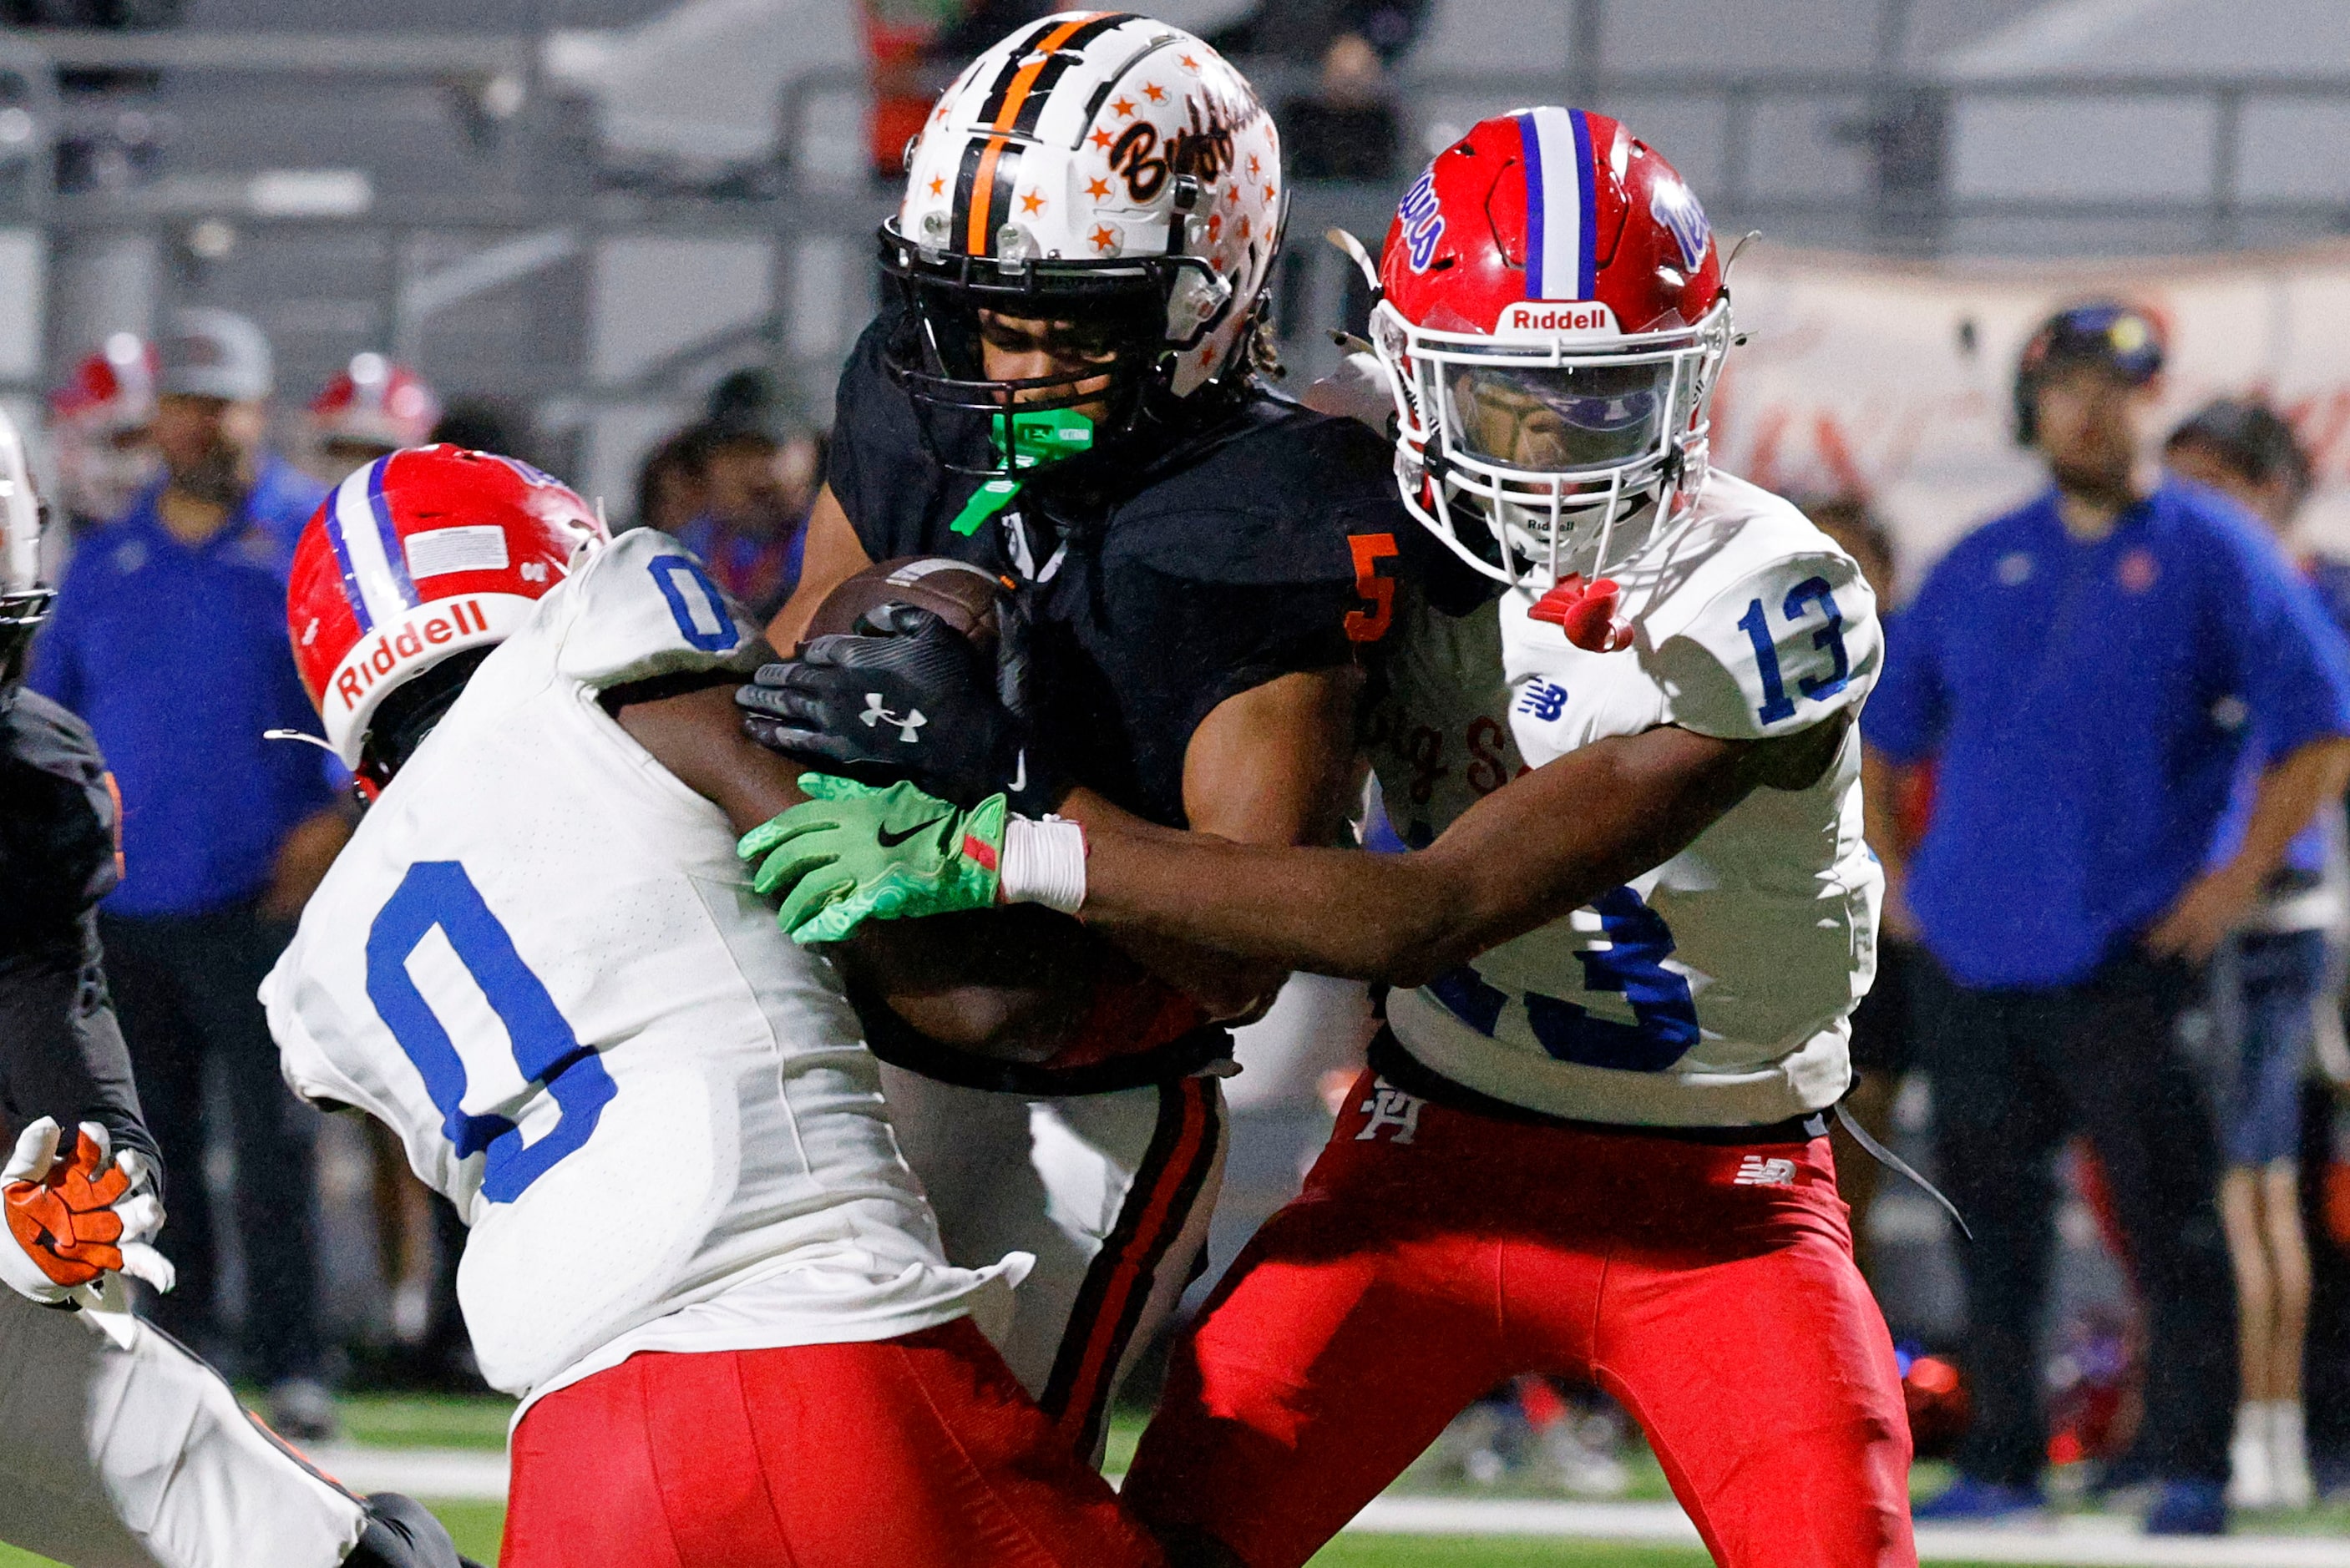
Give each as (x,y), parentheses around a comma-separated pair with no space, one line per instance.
(1776,703)
(438,893)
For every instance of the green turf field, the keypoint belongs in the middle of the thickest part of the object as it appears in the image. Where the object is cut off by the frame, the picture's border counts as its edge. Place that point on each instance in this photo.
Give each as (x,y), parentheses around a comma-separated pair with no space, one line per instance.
(393,1421)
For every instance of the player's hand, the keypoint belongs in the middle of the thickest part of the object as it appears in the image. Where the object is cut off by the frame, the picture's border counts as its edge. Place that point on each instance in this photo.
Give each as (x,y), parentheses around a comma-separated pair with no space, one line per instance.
(2211,907)
(854,853)
(901,697)
(73,1219)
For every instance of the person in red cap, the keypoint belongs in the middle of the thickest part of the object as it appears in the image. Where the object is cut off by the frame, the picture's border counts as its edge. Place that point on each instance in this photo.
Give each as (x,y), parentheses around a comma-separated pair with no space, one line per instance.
(101,427)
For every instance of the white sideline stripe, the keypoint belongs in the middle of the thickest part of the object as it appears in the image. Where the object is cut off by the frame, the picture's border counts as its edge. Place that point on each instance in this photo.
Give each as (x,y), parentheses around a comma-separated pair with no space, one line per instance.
(2089,1542)
(472,1475)
(452,1475)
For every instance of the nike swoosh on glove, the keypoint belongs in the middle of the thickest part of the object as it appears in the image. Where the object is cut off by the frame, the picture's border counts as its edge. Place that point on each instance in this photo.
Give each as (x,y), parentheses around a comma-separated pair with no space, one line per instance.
(853,853)
(72,1220)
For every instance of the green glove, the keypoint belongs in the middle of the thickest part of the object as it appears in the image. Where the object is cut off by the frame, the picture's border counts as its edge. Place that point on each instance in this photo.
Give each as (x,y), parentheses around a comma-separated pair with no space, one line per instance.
(853,852)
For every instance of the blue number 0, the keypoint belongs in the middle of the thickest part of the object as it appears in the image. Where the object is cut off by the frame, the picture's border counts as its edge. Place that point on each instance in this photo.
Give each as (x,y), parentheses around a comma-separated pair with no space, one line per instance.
(1776,703)
(720,636)
(1632,964)
(438,893)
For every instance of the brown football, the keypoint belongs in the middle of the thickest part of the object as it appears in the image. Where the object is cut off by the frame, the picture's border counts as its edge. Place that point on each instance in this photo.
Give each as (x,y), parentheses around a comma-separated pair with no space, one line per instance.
(961,595)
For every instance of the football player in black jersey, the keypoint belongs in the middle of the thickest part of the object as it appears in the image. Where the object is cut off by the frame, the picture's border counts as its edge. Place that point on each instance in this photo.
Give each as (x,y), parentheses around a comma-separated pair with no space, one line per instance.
(1063,387)
(118,1446)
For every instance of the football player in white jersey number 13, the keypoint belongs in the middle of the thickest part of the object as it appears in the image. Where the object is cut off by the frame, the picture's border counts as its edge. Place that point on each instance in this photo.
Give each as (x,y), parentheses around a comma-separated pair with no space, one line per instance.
(1622,956)
(696,1252)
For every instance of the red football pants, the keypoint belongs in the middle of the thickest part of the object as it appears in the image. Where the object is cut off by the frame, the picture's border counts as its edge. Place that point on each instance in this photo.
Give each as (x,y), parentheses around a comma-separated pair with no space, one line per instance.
(1436,1253)
(919,1451)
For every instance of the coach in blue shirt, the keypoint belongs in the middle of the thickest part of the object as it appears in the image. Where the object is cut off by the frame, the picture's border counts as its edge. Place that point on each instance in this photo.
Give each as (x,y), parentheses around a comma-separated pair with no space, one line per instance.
(2085,674)
(169,637)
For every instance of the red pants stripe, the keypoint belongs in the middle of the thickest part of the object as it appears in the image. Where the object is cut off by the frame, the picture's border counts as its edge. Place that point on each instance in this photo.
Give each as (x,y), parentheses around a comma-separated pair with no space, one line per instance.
(919,1453)
(1436,1253)
(1118,1286)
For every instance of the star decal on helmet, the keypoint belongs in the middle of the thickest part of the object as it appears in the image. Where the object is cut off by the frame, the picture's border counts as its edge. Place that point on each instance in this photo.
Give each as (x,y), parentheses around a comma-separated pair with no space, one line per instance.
(938,185)
(1215,226)
(1252,166)
(1096,188)
(1032,204)
(1269,193)
(1100,138)
(1244,226)
(1103,238)
(1125,108)
(1155,94)
(1189,64)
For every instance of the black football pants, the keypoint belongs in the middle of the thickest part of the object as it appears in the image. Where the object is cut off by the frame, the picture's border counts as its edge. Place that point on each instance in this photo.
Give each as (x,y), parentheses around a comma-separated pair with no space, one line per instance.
(2015,1073)
(184,989)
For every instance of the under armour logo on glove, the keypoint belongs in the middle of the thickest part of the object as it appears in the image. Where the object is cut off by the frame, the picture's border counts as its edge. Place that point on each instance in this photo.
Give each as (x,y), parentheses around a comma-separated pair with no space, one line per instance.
(876,713)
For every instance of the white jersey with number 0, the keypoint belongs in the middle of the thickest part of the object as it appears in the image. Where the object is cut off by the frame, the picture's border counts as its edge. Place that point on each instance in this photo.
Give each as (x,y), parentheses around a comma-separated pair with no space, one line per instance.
(541,964)
(1714,989)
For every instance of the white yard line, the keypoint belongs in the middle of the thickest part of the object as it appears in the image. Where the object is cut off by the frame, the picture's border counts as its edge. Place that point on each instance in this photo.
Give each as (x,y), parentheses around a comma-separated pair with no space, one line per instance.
(473,1475)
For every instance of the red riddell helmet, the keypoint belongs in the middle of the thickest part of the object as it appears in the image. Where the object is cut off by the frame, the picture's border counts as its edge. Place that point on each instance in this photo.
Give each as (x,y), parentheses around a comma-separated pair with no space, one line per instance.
(374,402)
(98,424)
(1551,318)
(416,556)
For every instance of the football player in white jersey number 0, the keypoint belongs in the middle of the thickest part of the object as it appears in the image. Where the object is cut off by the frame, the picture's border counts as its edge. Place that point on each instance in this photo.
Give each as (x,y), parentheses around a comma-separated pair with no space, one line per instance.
(1622,959)
(696,1252)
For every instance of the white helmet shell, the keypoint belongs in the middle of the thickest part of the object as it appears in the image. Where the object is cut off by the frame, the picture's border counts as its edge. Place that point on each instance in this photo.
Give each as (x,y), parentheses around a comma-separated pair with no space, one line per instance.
(24,599)
(1100,137)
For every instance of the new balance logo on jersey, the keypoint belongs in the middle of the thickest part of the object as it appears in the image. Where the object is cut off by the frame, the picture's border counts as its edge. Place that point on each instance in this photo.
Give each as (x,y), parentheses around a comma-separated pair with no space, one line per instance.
(1756,1171)
(1544,700)
(1389,1107)
(875,713)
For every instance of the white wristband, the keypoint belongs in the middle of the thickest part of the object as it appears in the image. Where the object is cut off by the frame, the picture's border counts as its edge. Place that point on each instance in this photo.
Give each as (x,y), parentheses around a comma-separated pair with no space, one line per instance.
(1044,863)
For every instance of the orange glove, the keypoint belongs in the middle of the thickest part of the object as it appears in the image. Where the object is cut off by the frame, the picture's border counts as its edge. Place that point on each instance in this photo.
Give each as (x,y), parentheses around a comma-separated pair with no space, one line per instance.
(74,1219)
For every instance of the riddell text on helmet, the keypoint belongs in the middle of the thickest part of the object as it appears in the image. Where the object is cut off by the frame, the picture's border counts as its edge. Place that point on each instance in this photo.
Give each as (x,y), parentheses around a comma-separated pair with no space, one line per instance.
(463,618)
(1544,317)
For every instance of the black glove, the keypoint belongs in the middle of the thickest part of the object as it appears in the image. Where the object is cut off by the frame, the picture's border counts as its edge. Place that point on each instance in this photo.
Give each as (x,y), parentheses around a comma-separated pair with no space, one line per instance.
(902,697)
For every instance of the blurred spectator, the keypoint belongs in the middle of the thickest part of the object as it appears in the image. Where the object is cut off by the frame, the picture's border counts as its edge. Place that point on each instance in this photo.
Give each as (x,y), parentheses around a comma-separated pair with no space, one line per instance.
(1348,127)
(169,638)
(2087,673)
(914,48)
(759,477)
(2270,980)
(372,407)
(101,427)
(482,426)
(669,482)
(1881,1025)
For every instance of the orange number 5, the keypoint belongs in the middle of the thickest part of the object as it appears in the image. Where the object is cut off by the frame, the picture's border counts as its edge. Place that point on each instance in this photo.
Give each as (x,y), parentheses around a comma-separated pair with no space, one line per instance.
(1378,592)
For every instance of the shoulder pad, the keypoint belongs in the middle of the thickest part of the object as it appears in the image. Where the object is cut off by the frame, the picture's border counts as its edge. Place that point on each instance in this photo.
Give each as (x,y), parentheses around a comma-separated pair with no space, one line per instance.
(643,607)
(1271,499)
(1773,631)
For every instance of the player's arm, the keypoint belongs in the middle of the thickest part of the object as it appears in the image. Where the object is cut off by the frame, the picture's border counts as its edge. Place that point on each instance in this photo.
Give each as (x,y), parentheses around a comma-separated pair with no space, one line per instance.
(832,555)
(1543,845)
(1271,765)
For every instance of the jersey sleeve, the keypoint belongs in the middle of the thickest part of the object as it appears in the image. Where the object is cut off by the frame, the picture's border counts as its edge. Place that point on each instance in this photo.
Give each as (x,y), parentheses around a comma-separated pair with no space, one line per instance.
(1786,645)
(644,607)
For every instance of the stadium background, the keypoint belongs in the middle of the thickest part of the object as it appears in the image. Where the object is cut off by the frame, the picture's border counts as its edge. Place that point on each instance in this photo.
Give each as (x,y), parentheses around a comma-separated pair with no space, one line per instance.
(587,212)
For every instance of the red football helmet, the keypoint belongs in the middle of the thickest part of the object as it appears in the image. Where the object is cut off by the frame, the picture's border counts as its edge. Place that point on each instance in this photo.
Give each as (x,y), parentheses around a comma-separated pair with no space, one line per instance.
(99,427)
(1552,319)
(375,403)
(418,555)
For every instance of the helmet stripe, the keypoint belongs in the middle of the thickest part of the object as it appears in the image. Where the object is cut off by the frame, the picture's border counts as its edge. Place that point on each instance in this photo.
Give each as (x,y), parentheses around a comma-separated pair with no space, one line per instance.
(1560,196)
(367,548)
(395,555)
(1028,78)
(983,193)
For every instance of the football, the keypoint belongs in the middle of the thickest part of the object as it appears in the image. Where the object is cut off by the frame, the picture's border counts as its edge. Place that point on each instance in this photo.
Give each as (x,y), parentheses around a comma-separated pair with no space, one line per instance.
(961,595)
